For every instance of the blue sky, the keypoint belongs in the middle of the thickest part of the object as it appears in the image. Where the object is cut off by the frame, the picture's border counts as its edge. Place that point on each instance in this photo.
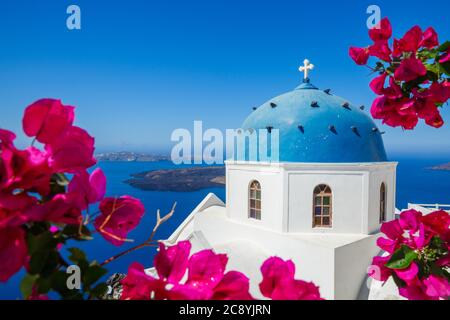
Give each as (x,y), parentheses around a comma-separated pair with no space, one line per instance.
(139,69)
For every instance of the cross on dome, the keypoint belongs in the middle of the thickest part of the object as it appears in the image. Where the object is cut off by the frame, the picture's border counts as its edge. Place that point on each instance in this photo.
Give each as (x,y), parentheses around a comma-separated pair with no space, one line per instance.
(305,68)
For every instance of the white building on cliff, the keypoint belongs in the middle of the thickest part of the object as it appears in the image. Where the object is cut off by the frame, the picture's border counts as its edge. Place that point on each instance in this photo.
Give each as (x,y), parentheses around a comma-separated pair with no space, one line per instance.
(320,205)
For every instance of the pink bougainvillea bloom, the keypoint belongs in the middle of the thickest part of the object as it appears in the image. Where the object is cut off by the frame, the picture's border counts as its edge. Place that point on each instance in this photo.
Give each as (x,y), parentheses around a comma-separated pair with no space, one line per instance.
(445,57)
(118,217)
(6,139)
(410,220)
(382,31)
(437,222)
(61,208)
(410,69)
(409,43)
(137,284)
(26,170)
(233,286)
(72,152)
(380,49)
(394,91)
(414,291)
(430,39)
(47,119)
(359,55)
(89,188)
(274,271)
(171,262)
(378,270)
(377,84)
(13,209)
(439,92)
(437,287)
(435,120)
(13,252)
(408,274)
(279,284)
(206,269)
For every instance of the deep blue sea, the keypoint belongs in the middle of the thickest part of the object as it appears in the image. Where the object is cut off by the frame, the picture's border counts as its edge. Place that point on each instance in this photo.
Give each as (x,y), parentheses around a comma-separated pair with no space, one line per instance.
(415,183)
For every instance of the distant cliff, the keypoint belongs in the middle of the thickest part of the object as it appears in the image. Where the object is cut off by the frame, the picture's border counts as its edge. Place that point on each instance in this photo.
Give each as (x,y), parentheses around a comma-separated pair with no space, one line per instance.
(130,156)
(181,180)
(445,166)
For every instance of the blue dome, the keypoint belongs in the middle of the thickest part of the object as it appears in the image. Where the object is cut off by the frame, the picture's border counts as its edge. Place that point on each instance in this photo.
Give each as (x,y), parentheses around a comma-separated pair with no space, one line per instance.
(316,126)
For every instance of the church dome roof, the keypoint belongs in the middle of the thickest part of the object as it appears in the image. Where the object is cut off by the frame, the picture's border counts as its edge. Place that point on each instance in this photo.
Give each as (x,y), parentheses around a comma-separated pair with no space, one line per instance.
(317,126)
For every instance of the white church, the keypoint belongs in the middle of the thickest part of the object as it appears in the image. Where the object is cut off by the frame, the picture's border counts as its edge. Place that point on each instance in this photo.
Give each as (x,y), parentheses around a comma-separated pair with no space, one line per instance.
(320,205)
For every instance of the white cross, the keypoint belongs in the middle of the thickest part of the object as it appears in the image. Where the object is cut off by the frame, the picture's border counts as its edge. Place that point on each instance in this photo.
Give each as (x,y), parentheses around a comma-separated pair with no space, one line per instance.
(306,67)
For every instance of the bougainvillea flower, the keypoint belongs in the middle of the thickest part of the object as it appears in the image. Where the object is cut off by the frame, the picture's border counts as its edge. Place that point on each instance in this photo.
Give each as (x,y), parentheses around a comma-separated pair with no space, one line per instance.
(382,31)
(47,119)
(13,208)
(72,152)
(233,286)
(439,92)
(171,262)
(6,139)
(13,252)
(359,55)
(26,170)
(61,208)
(279,284)
(137,285)
(435,120)
(89,188)
(381,50)
(430,39)
(415,291)
(377,84)
(378,270)
(410,220)
(408,274)
(410,69)
(118,217)
(206,269)
(409,43)
(437,222)
(437,287)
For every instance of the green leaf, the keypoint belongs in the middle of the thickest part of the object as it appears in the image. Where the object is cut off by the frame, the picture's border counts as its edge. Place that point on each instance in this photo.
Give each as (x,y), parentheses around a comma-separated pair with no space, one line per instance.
(26,285)
(443,47)
(76,255)
(402,258)
(93,274)
(72,231)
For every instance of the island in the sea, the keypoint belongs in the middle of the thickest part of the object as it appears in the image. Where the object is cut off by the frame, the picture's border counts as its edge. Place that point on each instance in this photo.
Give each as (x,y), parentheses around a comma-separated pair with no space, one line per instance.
(130,156)
(445,166)
(179,180)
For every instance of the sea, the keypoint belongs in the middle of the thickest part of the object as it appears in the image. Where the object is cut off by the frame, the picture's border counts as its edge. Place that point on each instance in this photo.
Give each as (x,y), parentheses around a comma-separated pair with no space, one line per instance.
(416,183)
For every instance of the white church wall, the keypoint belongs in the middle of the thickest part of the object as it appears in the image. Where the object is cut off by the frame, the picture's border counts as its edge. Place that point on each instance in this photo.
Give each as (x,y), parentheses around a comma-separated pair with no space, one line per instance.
(313,262)
(382,173)
(348,200)
(351,263)
(270,178)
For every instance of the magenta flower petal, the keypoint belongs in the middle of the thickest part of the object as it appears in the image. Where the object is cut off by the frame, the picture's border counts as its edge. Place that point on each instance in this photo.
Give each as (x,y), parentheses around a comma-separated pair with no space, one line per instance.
(437,287)
(206,268)
(171,262)
(408,274)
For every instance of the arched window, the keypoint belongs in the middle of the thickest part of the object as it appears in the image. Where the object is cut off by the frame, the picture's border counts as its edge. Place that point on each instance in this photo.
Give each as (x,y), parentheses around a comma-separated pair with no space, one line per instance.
(254,203)
(382,202)
(322,214)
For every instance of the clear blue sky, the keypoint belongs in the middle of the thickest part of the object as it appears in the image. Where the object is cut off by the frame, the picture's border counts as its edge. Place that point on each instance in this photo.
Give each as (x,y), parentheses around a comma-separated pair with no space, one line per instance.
(139,69)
